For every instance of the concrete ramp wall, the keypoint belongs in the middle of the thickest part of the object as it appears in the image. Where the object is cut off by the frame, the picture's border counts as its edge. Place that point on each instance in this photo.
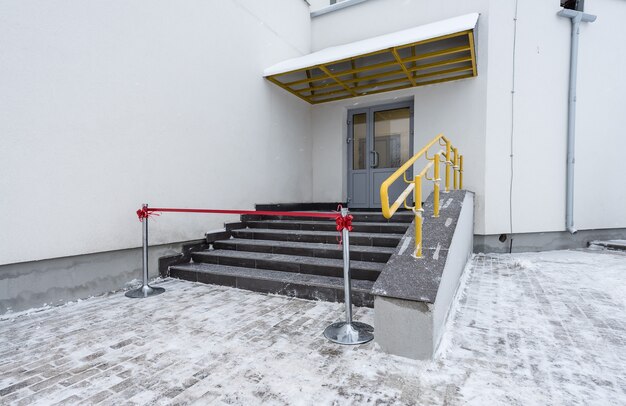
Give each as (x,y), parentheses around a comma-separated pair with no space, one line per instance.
(413,295)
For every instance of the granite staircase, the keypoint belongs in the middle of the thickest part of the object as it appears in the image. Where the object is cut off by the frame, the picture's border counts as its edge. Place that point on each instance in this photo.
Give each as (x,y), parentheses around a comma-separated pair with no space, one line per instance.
(297,256)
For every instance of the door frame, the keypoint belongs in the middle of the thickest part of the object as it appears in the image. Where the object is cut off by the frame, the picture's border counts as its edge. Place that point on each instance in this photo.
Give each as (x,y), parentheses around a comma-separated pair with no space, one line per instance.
(370,138)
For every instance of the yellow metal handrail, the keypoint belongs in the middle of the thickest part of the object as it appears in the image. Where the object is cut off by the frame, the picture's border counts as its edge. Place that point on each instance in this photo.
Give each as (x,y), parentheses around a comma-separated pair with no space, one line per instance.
(452,160)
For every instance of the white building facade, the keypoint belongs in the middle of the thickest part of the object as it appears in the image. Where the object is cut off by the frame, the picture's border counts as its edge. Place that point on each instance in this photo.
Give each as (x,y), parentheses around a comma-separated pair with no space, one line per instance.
(109,105)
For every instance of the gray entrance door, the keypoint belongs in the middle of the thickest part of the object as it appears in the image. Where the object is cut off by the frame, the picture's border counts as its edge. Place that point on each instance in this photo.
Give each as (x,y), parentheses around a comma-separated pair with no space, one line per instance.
(380,140)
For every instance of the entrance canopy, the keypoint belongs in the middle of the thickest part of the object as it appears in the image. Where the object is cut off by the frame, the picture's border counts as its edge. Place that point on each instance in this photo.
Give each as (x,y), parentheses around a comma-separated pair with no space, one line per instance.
(431,53)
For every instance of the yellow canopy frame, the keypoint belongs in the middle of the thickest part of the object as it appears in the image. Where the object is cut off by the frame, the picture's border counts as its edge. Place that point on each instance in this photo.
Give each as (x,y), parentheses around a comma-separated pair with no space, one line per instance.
(434,60)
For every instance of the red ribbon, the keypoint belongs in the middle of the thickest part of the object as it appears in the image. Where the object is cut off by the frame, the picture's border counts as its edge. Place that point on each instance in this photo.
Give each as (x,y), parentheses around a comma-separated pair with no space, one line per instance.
(145,213)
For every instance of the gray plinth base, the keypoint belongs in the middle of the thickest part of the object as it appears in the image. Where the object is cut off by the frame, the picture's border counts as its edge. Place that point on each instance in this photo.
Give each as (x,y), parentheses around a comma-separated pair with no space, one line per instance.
(404,327)
(144,291)
(349,333)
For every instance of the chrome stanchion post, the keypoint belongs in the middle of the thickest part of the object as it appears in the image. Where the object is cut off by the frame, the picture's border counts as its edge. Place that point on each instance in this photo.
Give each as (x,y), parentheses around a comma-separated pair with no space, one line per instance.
(145,290)
(348,332)
(347,275)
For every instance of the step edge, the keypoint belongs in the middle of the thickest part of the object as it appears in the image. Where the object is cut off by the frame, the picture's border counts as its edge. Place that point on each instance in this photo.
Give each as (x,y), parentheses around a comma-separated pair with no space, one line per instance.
(339,262)
(327,233)
(189,268)
(314,245)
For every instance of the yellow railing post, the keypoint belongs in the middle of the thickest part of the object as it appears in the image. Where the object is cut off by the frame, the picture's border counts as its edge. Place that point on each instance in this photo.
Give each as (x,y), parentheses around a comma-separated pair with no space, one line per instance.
(456,168)
(436,187)
(453,161)
(461,172)
(417,196)
(448,163)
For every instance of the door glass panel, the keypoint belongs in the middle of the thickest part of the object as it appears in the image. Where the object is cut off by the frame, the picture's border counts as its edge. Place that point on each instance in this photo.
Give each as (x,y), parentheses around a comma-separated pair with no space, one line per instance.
(391,137)
(359,141)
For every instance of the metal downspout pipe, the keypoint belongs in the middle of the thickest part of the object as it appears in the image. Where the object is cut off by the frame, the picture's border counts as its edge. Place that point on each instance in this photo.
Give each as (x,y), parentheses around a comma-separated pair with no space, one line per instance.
(576,18)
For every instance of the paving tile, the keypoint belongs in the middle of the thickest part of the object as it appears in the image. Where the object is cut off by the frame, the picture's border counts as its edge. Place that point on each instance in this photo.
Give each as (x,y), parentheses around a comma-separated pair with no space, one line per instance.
(19,385)
(526,329)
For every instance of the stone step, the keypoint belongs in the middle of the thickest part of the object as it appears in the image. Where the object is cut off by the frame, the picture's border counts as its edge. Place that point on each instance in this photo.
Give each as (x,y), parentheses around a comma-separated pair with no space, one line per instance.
(321,250)
(359,216)
(358,227)
(304,286)
(328,237)
(289,263)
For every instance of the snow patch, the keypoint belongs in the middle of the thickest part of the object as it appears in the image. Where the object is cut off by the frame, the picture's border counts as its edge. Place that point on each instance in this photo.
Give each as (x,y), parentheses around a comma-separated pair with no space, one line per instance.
(436,253)
(405,245)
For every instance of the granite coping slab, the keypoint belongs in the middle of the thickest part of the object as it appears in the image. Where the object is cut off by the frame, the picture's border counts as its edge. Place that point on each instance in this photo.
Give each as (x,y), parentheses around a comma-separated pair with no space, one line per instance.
(418,279)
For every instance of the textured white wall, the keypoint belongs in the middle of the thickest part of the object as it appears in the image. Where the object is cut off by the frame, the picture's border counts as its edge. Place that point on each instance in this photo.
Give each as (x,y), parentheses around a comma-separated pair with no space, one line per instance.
(539,138)
(458,109)
(377,17)
(541,68)
(318,4)
(600,190)
(108,104)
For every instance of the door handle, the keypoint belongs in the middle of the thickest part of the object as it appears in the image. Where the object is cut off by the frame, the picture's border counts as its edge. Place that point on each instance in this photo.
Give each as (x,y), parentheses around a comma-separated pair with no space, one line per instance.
(376,156)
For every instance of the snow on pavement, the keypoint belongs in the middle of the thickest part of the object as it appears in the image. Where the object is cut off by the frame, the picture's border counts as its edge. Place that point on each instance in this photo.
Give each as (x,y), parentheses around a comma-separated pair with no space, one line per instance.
(528,329)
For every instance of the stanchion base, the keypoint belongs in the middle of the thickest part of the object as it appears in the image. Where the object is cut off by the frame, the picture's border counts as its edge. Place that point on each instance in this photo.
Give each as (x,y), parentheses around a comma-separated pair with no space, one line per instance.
(144,291)
(349,333)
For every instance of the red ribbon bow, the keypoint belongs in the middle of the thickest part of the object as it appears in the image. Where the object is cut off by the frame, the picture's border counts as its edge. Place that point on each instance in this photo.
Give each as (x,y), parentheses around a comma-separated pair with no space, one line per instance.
(144,213)
(344,222)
